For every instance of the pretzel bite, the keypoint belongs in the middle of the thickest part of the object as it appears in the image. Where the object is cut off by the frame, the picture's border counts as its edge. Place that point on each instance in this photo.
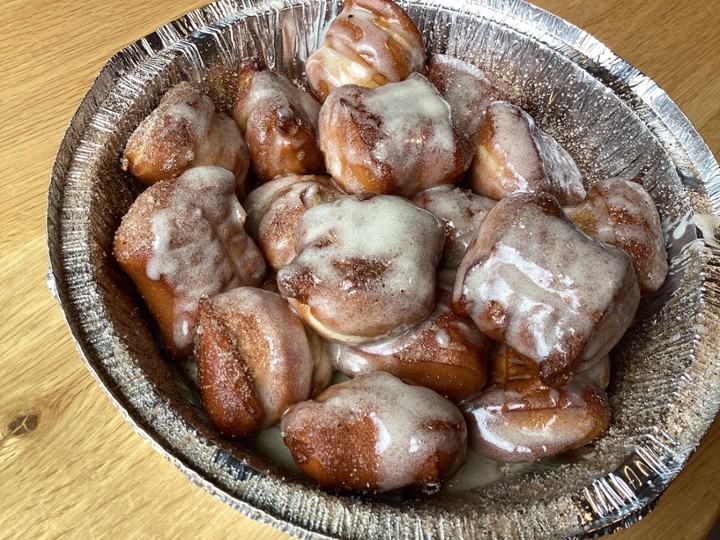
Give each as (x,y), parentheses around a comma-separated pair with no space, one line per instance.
(275,208)
(513,155)
(279,121)
(467,89)
(519,418)
(534,281)
(396,139)
(620,212)
(182,240)
(323,370)
(185,131)
(371,43)
(254,359)
(461,211)
(374,434)
(365,267)
(445,352)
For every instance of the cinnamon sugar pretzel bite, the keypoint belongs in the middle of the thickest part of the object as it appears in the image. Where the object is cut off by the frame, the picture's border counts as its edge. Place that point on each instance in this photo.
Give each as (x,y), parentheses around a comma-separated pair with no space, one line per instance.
(534,281)
(182,240)
(375,434)
(322,372)
(620,212)
(445,352)
(275,208)
(279,121)
(365,267)
(461,211)
(397,139)
(185,131)
(512,154)
(519,418)
(370,43)
(254,359)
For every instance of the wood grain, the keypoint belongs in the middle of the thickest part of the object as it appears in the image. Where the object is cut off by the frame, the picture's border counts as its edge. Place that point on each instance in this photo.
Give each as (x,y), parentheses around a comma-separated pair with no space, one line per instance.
(69,465)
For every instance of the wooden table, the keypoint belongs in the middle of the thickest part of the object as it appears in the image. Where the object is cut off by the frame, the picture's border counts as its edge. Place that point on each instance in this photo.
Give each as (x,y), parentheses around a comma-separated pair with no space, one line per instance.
(69,464)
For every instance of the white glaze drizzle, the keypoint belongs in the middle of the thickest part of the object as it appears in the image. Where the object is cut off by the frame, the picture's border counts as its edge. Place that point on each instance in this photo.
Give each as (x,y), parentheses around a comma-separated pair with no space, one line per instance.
(513,140)
(551,280)
(465,87)
(198,118)
(461,211)
(272,89)
(261,198)
(199,244)
(383,229)
(405,109)
(538,420)
(414,144)
(344,59)
(624,215)
(403,417)
(530,159)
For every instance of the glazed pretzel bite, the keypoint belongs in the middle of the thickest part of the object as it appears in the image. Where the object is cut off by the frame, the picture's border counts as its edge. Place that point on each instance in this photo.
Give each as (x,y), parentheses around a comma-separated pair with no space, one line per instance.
(275,208)
(254,359)
(365,267)
(371,43)
(467,89)
(260,199)
(535,282)
(461,212)
(185,131)
(397,139)
(620,212)
(322,372)
(279,121)
(182,240)
(513,155)
(445,352)
(519,418)
(375,434)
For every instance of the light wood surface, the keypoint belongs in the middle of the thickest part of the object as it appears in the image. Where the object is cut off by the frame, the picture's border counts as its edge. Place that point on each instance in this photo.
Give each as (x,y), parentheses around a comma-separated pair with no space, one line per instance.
(69,464)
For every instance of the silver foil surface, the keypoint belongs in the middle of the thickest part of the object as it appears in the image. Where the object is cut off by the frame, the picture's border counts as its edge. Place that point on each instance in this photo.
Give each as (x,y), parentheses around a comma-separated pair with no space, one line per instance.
(665,388)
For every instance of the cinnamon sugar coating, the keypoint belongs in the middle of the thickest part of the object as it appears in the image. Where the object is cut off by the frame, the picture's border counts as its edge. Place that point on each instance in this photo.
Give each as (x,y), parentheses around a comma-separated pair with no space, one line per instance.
(183,240)
(254,359)
(274,210)
(519,418)
(375,434)
(397,139)
(279,121)
(532,280)
(370,43)
(620,212)
(512,155)
(365,267)
(185,131)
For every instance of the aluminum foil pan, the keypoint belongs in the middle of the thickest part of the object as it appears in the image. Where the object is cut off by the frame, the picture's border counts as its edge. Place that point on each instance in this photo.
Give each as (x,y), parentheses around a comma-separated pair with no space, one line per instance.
(666,383)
